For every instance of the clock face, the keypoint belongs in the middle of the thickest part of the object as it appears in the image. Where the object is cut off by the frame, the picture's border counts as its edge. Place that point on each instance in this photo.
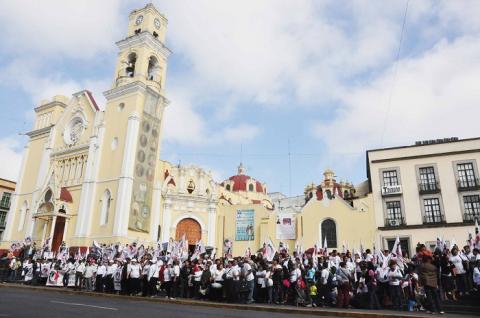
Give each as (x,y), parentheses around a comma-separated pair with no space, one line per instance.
(157,23)
(139,19)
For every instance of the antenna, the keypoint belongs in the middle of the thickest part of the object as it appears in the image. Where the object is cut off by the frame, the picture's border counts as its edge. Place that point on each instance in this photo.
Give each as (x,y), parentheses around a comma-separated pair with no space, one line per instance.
(241,153)
(289,171)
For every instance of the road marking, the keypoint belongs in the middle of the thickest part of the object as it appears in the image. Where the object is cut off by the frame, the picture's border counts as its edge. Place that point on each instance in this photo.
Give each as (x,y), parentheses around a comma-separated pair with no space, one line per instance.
(85,305)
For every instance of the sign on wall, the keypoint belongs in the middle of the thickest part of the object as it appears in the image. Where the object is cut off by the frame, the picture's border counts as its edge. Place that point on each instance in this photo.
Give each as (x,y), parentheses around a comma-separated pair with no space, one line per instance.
(391,189)
(245,225)
(286,228)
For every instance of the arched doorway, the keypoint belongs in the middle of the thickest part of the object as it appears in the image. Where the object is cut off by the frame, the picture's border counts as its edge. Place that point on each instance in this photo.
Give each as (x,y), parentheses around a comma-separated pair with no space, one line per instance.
(191,228)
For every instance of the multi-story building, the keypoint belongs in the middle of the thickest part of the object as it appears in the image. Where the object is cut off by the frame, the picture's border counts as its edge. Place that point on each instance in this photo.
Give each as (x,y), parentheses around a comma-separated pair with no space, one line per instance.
(7,188)
(425,191)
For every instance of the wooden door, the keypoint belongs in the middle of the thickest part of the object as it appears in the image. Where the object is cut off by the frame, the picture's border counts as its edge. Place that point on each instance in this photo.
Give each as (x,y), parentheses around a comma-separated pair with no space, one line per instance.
(58,234)
(190,228)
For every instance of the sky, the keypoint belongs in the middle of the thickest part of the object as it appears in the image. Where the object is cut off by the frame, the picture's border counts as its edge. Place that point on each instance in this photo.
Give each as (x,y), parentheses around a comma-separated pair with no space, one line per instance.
(289,88)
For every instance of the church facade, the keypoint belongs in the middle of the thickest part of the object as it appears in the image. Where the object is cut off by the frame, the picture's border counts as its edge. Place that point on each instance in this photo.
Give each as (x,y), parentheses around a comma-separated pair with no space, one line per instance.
(94,174)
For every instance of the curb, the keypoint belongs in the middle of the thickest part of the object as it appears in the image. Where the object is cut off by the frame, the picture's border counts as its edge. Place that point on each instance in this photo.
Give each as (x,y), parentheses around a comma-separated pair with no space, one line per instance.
(264,308)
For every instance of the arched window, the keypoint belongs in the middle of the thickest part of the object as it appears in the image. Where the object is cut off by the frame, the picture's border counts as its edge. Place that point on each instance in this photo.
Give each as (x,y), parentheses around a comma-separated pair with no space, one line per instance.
(153,68)
(106,198)
(227,187)
(329,194)
(346,194)
(329,230)
(23,212)
(250,187)
(130,69)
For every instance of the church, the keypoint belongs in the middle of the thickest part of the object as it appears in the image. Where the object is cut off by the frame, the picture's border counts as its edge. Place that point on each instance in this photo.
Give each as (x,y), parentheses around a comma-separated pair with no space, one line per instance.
(93,173)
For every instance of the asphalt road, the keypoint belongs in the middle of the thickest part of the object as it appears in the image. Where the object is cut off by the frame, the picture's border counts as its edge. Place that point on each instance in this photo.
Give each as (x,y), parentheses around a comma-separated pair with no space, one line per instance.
(19,303)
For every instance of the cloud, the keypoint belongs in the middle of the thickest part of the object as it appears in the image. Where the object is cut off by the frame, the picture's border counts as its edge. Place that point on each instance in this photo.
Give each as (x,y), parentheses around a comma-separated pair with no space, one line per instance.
(11,158)
(273,52)
(54,28)
(434,95)
(40,83)
(185,125)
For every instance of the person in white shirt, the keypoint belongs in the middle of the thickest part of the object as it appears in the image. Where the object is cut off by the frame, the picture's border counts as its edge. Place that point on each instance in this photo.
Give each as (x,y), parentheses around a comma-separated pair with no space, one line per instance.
(395,276)
(175,279)
(459,270)
(144,277)
(476,275)
(111,270)
(79,271)
(250,279)
(217,285)
(133,275)
(99,279)
(167,279)
(153,278)
(261,273)
(90,270)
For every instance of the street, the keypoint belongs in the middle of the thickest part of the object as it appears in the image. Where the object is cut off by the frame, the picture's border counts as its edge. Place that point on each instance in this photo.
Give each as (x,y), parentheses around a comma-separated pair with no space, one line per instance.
(21,303)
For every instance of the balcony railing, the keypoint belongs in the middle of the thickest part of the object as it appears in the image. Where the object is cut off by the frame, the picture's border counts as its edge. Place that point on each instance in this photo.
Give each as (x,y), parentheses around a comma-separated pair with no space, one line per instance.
(468,185)
(4,205)
(469,217)
(428,188)
(433,219)
(394,222)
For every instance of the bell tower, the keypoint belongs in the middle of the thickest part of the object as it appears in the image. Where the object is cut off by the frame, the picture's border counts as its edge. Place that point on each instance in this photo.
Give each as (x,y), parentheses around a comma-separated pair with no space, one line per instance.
(131,131)
(143,55)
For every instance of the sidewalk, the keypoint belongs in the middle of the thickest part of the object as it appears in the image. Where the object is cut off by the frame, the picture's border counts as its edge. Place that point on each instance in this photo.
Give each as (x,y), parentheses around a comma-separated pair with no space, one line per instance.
(332,312)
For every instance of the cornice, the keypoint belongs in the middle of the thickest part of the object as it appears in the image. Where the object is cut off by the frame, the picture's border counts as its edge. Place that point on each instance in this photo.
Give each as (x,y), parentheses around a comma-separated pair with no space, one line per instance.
(39,132)
(124,89)
(144,38)
(48,105)
(67,151)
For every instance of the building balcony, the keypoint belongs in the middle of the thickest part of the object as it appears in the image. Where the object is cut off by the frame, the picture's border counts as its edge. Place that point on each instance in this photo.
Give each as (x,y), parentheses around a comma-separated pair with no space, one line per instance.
(468,185)
(431,219)
(428,188)
(469,217)
(394,222)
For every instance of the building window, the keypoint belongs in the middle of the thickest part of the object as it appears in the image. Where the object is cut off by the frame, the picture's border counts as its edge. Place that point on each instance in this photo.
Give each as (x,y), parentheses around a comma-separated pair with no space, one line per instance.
(3,216)
(250,187)
(106,199)
(433,213)
(5,203)
(329,231)
(394,213)
(390,178)
(471,205)
(227,187)
(428,180)
(466,175)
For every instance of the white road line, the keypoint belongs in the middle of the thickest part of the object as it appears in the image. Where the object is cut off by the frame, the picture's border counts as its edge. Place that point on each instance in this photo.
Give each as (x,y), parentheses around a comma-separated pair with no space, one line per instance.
(85,305)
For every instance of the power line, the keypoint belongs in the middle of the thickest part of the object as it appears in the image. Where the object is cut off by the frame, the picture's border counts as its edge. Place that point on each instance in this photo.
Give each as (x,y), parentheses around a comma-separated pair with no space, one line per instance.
(395,67)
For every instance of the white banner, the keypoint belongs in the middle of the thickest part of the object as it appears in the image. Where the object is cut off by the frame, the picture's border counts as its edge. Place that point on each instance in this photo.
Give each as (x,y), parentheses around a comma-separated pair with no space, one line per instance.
(286,227)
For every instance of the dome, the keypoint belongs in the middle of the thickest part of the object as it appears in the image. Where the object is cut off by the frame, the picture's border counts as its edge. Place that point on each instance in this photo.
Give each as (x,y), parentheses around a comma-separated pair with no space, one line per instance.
(243,182)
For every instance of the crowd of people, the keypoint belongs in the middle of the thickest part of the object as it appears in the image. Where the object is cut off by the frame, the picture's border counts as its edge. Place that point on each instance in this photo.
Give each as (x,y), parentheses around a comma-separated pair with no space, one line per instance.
(363,279)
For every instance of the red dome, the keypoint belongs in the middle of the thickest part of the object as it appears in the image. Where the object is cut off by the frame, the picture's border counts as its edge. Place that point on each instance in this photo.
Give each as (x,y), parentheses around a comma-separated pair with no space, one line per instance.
(240,181)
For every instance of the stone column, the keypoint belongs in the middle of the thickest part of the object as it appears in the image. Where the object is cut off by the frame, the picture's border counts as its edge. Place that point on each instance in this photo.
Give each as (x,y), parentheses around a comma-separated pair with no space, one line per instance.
(87,196)
(52,229)
(212,217)
(155,213)
(167,220)
(65,230)
(125,184)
